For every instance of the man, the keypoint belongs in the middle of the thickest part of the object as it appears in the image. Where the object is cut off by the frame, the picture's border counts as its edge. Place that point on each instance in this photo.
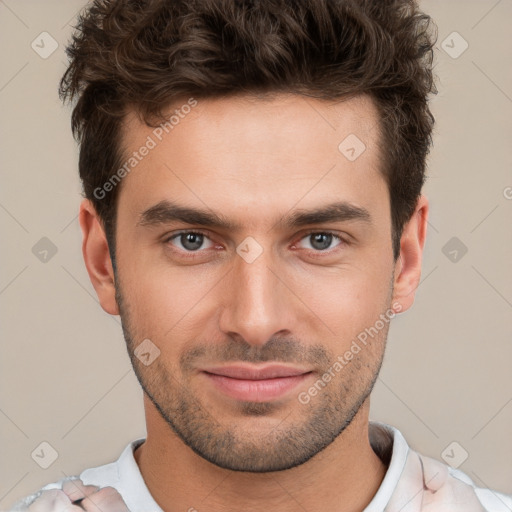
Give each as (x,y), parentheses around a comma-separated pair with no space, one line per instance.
(253,212)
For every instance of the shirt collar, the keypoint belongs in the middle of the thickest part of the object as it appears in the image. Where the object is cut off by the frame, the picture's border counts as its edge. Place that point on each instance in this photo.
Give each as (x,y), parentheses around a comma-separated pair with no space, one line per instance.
(390,445)
(124,475)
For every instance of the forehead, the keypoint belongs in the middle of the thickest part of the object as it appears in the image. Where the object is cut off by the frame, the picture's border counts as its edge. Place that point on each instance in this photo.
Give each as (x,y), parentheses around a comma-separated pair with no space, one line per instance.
(269,119)
(256,151)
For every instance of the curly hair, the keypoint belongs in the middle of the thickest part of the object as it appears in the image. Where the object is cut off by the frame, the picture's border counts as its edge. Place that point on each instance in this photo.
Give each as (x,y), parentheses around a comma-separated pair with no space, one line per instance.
(144,54)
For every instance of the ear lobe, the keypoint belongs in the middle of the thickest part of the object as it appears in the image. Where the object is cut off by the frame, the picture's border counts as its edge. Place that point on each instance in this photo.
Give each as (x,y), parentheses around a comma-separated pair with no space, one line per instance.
(97,257)
(408,265)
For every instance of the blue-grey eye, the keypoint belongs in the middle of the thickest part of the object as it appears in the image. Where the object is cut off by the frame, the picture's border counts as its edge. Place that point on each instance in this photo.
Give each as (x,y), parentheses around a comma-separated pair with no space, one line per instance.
(190,241)
(320,241)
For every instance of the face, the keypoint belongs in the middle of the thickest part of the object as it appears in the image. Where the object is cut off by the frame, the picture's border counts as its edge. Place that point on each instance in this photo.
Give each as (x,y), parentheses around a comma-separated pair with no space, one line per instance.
(254,255)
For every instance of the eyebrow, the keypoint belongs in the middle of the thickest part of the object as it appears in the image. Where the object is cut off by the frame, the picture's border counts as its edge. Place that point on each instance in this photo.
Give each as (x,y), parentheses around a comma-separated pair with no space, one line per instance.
(167,211)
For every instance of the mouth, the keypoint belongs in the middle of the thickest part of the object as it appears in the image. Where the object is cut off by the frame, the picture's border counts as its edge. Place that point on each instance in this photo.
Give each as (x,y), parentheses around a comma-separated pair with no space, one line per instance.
(255,384)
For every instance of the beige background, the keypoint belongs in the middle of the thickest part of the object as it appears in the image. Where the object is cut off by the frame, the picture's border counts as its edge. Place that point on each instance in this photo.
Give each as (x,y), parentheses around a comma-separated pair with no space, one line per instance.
(65,376)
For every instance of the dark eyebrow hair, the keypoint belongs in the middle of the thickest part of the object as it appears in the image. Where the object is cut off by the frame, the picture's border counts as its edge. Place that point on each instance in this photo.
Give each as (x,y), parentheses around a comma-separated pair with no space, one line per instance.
(167,211)
(335,212)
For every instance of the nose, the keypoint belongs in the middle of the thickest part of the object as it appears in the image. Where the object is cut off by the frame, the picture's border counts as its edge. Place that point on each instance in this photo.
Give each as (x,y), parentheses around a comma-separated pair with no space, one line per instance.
(257,304)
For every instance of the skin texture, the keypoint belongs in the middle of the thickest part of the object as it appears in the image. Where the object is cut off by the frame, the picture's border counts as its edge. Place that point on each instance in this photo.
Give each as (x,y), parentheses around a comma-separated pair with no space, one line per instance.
(255,161)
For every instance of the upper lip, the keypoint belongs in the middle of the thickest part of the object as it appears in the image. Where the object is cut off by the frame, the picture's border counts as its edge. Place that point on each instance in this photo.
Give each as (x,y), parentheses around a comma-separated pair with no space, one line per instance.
(256,373)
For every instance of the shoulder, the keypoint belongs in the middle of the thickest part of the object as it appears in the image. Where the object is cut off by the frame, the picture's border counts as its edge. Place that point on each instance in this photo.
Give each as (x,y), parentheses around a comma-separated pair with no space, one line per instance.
(22,504)
(100,476)
(75,495)
(452,490)
(417,483)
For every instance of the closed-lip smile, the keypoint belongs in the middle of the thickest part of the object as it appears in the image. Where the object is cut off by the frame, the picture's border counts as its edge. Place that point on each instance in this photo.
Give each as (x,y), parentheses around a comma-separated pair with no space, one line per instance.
(255,383)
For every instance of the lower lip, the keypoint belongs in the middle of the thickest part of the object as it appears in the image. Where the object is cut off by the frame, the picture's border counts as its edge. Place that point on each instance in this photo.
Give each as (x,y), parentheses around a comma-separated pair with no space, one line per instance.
(256,390)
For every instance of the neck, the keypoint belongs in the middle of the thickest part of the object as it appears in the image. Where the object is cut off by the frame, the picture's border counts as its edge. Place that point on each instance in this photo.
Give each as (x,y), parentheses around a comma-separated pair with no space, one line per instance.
(343,477)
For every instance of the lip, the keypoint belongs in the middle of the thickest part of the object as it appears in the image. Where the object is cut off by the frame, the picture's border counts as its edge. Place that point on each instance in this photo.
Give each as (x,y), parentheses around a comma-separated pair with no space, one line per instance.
(247,372)
(255,384)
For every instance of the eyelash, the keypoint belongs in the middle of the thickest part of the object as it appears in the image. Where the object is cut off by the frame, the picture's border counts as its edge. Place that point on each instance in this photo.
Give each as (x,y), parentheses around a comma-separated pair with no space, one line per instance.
(317,253)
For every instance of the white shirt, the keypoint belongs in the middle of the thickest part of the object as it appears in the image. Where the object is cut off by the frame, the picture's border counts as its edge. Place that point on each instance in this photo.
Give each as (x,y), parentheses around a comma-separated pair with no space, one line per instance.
(413,482)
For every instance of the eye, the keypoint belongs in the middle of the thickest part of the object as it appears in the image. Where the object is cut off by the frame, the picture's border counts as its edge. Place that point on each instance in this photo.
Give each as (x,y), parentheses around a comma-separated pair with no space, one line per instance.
(189,241)
(321,240)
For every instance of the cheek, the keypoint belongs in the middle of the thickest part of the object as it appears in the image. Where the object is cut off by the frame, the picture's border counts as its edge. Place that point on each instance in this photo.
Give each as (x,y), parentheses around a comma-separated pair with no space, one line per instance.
(350,299)
(166,305)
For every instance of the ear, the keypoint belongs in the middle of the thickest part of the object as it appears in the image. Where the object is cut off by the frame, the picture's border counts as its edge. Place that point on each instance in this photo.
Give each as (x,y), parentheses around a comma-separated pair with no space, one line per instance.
(408,265)
(97,257)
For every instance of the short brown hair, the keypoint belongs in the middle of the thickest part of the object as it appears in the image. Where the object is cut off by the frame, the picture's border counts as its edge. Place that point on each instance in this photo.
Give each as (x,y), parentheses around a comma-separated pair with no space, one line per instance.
(144,54)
